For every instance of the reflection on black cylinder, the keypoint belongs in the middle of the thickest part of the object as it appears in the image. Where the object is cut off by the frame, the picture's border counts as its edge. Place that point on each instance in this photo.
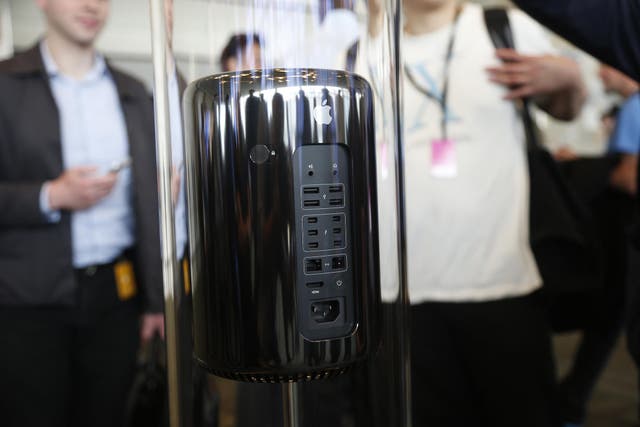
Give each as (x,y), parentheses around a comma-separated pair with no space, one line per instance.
(283,225)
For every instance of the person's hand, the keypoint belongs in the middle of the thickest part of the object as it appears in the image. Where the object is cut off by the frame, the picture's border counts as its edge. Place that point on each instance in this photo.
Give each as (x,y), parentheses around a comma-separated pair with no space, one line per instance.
(150,324)
(564,154)
(615,81)
(529,76)
(624,176)
(78,188)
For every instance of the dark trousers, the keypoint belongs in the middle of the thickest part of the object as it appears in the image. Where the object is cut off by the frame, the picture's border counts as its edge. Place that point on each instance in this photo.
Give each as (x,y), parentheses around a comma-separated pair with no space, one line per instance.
(69,366)
(633,309)
(487,364)
(602,311)
(599,338)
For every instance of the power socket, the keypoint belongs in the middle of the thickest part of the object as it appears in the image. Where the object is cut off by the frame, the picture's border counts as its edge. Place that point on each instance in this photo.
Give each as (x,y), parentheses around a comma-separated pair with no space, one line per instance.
(325,311)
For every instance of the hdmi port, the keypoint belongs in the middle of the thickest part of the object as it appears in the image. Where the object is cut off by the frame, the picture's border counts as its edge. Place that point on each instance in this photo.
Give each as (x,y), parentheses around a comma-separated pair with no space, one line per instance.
(315,284)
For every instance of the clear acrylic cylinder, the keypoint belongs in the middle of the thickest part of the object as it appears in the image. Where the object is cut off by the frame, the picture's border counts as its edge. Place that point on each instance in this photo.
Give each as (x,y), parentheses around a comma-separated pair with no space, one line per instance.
(280,119)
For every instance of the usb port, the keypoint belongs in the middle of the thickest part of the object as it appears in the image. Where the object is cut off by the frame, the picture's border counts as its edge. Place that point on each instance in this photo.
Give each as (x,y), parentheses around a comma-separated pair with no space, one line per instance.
(313,245)
(337,230)
(315,284)
(311,190)
(336,218)
(312,232)
(336,202)
(338,262)
(312,265)
(311,203)
(335,189)
(337,243)
(312,220)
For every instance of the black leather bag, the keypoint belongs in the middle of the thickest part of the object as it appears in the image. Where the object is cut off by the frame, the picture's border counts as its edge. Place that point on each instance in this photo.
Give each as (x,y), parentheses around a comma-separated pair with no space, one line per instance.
(147,402)
(563,234)
(147,405)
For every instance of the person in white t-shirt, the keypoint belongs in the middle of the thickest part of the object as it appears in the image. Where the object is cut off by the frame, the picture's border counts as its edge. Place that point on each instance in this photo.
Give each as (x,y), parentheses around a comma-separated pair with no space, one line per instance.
(481,351)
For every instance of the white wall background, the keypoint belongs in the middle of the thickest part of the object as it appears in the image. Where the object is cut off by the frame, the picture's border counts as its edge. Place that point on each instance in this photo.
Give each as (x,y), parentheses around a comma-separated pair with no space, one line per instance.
(6,30)
(202,28)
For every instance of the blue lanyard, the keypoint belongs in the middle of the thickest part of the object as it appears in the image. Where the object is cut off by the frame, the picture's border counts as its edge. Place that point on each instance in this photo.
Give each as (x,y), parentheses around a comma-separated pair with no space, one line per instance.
(442,101)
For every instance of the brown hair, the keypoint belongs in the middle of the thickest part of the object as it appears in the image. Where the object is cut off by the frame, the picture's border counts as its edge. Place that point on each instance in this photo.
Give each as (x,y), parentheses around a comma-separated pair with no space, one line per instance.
(236,44)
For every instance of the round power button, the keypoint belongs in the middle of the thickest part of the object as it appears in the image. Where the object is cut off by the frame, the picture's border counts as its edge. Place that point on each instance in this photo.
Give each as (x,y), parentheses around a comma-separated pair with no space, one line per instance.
(260,154)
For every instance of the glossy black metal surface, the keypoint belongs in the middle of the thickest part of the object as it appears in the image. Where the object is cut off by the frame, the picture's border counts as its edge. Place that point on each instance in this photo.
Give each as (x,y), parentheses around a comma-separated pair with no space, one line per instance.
(242,131)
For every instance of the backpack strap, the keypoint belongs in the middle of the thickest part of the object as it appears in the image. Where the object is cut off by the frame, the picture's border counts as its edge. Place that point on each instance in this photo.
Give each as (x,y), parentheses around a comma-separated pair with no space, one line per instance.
(499,28)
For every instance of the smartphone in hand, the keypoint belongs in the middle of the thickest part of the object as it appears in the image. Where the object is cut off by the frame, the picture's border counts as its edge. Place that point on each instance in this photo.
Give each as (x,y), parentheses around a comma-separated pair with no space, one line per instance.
(118,166)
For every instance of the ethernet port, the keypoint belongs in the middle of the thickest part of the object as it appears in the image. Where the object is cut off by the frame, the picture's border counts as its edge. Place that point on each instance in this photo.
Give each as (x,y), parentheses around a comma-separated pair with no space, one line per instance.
(313,265)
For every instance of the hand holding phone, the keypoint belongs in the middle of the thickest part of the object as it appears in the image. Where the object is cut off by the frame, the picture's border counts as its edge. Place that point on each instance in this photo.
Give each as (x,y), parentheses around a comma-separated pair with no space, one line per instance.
(79,188)
(116,167)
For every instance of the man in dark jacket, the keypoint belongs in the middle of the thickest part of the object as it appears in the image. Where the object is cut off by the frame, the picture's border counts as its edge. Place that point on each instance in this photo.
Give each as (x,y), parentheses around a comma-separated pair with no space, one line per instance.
(79,234)
(607,29)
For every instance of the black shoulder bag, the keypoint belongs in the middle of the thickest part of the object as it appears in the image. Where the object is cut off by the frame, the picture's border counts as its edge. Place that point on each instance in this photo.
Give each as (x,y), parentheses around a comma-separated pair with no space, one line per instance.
(563,235)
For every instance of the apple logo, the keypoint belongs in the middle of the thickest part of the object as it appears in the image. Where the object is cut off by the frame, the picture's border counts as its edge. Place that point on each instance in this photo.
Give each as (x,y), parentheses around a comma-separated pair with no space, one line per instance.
(322,114)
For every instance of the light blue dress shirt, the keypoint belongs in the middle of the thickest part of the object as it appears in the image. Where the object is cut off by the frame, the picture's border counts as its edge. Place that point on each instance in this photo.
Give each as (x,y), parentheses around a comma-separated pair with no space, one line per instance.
(626,137)
(177,151)
(93,133)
